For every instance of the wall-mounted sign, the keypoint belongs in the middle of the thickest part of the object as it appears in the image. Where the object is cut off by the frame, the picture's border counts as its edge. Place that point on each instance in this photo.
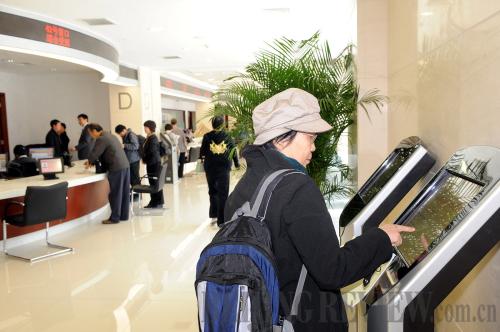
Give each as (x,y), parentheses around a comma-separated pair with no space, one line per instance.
(124,100)
(171,84)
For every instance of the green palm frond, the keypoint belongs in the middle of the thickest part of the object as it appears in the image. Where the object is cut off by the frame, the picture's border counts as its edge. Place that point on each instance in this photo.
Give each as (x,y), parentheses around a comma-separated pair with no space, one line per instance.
(308,65)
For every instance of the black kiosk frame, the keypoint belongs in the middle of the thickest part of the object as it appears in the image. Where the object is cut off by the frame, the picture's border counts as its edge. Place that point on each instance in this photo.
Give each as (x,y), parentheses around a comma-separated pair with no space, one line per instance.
(456,217)
(386,187)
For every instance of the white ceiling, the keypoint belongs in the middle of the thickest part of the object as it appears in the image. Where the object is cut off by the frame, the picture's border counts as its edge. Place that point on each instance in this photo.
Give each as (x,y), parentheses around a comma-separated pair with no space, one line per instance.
(214,38)
(20,63)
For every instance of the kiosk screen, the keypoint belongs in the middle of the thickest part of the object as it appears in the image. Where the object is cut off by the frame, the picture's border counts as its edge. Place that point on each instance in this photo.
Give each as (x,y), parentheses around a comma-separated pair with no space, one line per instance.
(436,216)
(379,179)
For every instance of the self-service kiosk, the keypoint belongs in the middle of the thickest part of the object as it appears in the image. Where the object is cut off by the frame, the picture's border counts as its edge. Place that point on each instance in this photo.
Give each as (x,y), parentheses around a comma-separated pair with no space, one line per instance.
(171,160)
(457,222)
(392,180)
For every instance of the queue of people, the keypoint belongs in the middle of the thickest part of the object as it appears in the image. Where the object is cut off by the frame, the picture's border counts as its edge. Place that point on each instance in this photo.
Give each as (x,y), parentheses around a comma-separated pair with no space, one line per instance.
(120,160)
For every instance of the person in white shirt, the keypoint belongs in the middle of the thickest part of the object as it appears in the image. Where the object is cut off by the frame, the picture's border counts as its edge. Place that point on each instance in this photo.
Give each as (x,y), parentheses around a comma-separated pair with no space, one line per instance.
(181,146)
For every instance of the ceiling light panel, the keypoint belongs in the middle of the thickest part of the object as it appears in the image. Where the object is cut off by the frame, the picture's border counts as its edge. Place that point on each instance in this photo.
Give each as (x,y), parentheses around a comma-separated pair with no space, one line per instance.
(98,21)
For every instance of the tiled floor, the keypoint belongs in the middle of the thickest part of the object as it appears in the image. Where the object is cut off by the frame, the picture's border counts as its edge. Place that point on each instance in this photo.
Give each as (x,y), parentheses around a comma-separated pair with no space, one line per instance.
(134,276)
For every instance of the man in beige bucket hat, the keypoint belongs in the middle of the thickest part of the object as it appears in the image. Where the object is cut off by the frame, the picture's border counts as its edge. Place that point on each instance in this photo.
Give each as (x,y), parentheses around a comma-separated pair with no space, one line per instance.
(301,227)
(293,109)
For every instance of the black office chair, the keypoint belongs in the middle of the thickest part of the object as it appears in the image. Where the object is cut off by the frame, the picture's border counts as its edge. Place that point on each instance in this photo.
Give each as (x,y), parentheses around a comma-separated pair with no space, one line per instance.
(22,169)
(194,154)
(147,189)
(41,205)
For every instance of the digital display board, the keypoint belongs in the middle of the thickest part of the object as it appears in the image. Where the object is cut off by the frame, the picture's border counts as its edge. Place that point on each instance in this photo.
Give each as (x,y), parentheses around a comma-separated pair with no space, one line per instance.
(57,35)
(47,32)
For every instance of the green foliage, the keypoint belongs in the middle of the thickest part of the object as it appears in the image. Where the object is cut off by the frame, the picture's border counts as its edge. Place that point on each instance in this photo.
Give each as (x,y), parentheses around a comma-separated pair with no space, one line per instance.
(307,65)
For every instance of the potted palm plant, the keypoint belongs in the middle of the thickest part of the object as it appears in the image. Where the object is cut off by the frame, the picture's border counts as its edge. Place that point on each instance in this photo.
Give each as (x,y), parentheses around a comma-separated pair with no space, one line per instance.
(308,65)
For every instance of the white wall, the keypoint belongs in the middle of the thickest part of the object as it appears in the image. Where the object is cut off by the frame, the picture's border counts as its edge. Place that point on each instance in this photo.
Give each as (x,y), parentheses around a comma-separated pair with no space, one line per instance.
(33,100)
(178,104)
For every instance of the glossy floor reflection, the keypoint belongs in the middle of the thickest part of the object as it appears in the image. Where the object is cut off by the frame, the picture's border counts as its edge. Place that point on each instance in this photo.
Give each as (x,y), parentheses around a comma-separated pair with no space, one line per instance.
(134,276)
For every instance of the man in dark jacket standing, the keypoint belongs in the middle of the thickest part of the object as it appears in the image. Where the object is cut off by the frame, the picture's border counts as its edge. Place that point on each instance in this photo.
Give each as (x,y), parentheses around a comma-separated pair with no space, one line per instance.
(64,139)
(108,150)
(152,158)
(85,142)
(53,140)
(131,148)
(217,152)
(302,230)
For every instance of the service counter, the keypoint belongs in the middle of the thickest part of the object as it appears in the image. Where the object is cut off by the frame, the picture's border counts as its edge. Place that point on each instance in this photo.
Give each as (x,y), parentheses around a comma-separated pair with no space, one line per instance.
(87,193)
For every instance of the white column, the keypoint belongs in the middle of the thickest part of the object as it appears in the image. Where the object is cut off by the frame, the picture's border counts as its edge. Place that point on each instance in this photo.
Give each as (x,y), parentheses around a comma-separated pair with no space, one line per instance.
(149,81)
(372,62)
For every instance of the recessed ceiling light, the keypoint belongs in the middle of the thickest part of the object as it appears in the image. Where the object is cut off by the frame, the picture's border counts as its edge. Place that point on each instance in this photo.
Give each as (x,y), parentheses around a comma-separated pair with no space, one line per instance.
(98,21)
(10,61)
(282,10)
(156,29)
(171,57)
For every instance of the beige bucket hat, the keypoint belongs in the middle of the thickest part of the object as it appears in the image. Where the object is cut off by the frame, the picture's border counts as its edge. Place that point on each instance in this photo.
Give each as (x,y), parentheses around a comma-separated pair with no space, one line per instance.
(292,109)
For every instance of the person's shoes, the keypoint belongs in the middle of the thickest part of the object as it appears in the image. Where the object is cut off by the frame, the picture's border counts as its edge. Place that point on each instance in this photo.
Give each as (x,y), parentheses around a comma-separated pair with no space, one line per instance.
(158,206)
(150,206)
(109,222)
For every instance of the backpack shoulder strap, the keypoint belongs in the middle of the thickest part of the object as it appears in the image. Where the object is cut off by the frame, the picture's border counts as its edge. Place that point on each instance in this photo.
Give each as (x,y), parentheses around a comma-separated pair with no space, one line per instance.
(262,196)
(255,207)
(287,325)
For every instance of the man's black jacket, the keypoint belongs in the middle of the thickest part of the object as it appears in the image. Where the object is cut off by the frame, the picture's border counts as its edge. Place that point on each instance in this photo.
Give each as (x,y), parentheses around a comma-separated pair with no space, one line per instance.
(52,139)
(85,144)
(217,150)
(151,150)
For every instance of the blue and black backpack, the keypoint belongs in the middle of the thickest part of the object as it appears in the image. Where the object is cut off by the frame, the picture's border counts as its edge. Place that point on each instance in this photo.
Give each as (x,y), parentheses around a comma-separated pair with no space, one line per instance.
(236,278)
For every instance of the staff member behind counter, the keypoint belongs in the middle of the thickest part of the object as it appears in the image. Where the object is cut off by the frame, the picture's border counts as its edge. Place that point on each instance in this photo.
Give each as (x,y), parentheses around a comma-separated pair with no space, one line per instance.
(108,150)
(301,228)
(22,165)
